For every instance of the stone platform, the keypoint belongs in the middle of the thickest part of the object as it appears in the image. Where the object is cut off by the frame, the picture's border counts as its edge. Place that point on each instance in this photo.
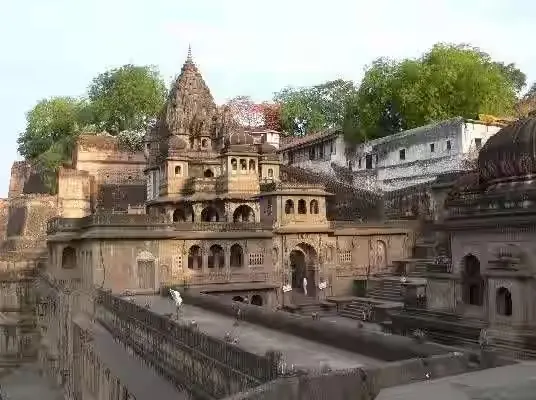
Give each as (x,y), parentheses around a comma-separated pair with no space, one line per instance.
(302,353)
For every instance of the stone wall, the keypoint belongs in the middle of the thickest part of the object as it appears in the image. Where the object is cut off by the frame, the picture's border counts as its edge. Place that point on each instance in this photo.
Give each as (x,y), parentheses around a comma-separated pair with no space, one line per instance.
(26,179)
(361,384)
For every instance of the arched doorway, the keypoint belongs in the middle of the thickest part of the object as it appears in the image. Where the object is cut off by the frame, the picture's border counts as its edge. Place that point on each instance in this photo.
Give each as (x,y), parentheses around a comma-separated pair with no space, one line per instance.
(195,257)
(503,301)
(210,214)
(183,214)
(236,259)
(146,270)
(303,263)
(473,284)
(68,258)
(216,257)
(298,268)
(256,300)
(244,213)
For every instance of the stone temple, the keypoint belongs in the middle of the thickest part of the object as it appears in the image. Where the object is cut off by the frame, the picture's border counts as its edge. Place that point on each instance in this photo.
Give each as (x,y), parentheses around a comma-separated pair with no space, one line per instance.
(295,285)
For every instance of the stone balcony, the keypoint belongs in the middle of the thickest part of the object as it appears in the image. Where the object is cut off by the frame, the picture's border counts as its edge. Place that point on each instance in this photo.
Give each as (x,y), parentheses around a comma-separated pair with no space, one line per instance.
(148,222)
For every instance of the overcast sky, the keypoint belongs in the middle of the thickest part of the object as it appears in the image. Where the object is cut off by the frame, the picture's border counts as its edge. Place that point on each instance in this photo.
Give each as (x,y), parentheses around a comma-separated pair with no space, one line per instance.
(55,47)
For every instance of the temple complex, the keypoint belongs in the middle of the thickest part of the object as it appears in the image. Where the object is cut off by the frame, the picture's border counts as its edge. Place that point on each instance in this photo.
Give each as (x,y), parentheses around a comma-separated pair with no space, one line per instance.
(294,285)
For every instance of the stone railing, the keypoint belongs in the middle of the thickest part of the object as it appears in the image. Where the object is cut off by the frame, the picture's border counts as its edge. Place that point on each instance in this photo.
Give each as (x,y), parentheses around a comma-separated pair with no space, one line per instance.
(230,276)
(180,352)
(148,222)
(221,226)
(272,186)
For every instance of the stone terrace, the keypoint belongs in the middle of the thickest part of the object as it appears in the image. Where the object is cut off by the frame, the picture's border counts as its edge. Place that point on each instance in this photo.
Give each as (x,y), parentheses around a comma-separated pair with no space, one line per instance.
(303,353)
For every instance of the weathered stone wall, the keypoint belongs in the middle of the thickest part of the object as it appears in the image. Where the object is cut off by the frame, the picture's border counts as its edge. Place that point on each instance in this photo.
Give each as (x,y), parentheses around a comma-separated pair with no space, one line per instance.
(26,179)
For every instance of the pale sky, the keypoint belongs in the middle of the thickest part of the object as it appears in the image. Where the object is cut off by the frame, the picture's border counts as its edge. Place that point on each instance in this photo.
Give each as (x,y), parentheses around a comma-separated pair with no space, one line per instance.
(55,47)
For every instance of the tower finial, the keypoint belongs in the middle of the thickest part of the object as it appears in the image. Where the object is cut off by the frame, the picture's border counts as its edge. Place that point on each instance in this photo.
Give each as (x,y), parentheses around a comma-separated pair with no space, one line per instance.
(189,57)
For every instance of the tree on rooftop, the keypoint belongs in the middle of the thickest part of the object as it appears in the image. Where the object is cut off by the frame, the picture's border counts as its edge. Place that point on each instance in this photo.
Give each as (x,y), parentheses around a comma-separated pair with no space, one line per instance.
(126,98)
(311,109)
(447,81)
(51,129)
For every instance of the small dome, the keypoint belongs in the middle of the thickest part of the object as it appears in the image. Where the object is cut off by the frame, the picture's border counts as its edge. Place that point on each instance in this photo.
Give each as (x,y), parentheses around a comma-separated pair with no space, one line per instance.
(239,138)
(267,148)
(176,143)
(511,152)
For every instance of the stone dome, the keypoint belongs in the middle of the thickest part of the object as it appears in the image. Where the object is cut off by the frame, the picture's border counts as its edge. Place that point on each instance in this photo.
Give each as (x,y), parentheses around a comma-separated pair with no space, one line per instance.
(510,153)
(176,143)
(239,138)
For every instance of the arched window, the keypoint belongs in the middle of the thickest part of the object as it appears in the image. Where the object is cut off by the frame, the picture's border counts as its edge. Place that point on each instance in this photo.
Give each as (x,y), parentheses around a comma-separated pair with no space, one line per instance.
(251,165)
(216,257)
(503,301)
(289,207)
(234,164)
(208,173)
(270,173)
(68,258)
(195,259)
(313,206)
(473,284)
(244,213)
(204,143)
(209,214)
(236,256)
(178,215)
(177,170)
(243,165)
(302,207)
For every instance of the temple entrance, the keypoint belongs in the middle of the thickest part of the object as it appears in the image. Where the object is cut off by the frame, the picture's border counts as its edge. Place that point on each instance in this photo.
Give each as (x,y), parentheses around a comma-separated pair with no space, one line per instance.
(303,261)
(473,284)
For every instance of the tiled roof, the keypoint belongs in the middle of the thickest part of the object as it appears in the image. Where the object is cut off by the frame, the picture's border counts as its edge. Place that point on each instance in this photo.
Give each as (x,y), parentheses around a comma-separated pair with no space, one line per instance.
(290,142)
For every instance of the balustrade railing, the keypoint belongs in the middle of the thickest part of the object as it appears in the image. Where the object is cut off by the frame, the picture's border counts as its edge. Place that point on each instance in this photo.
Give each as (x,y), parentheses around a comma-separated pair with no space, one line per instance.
(181,352)
(149,222)
(229,276)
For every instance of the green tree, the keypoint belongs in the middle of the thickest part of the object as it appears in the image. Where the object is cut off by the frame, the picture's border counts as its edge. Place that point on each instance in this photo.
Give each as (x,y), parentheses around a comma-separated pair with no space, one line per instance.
(125,99)
(314,108)
(447,81)
(51,128)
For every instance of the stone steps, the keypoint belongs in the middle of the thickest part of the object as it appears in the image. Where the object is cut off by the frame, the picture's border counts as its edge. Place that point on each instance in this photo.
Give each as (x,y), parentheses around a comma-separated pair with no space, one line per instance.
(386,289)
(354,310)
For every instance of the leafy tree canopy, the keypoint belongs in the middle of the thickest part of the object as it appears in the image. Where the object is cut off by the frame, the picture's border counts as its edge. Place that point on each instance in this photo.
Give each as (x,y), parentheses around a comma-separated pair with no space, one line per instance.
(314,108)
(120,101)
(126,98)
(447,81)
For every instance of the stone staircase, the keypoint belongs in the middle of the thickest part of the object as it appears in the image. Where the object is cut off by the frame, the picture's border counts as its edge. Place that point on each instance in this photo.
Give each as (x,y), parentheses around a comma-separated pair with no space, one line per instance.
(386,289)
(306,305)
(354,309)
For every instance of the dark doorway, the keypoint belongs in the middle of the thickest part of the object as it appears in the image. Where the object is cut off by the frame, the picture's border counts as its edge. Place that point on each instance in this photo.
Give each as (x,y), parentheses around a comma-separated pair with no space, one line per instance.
(256,300)
(504,302)
(238,298)
(298,268)
(473,284)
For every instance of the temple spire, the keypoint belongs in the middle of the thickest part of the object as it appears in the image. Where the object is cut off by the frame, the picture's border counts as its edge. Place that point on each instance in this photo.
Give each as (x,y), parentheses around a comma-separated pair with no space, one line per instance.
(189,56)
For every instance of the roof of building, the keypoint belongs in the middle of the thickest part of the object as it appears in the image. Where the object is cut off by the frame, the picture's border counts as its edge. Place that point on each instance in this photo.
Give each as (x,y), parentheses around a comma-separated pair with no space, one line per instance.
(292,142)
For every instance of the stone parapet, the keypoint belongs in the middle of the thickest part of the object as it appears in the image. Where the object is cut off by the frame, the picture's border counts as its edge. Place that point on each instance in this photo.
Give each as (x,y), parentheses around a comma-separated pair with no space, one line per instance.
(59,224)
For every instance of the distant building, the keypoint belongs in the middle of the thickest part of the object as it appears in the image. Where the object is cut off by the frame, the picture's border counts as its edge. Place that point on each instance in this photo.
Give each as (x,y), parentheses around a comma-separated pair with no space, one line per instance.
(394,162)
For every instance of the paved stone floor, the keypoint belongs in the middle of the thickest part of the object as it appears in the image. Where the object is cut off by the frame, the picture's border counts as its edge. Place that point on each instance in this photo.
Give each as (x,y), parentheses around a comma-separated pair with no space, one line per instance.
(25,383)
(513,382)
(258,339)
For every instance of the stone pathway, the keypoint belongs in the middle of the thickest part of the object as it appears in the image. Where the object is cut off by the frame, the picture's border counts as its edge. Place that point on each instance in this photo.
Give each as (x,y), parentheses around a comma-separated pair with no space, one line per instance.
(25,383)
